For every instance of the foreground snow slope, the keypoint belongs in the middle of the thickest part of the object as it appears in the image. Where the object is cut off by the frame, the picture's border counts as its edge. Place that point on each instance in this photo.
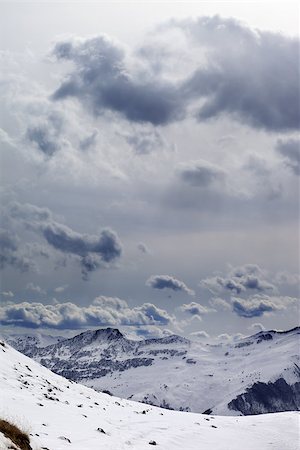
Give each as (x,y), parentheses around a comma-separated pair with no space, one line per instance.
(60,414)
(254,375)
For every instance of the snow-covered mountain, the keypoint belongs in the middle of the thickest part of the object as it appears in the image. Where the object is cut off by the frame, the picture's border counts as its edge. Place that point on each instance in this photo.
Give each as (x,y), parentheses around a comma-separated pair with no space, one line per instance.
(59,414)
(254,375)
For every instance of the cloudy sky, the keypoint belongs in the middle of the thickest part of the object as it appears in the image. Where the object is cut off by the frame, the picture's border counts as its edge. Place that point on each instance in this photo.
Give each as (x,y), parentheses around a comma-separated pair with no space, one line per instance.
(149,167)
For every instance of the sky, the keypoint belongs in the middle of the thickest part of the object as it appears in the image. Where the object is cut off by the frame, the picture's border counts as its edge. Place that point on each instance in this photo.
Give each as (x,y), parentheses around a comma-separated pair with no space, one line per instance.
(149,167)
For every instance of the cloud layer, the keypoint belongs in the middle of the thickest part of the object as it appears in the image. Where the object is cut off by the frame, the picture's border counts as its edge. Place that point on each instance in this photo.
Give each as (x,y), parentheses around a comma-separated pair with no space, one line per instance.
(104,311)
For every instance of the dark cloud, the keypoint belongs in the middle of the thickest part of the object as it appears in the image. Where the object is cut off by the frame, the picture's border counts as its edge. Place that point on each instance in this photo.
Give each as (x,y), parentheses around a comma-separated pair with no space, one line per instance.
(100,79)
(63,238)
(168,282)
(93,251)
(195,309)
(290,150)
(253,76)
(104,311)
(11,254)
(200,173)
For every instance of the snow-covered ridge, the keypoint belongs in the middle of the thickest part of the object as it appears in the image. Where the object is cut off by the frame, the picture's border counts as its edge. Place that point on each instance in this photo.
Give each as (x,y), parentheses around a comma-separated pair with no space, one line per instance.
(59,414)
(254,375)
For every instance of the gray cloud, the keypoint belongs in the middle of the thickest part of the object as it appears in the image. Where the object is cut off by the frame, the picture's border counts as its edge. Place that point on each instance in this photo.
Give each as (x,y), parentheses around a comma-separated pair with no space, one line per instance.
(101,80)
(168,282)
(200,173)
(104,311)
(290,150)
(93,251)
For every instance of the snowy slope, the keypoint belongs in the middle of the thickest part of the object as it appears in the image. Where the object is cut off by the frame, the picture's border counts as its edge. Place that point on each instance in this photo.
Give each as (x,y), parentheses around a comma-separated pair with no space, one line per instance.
(257,374)
(60,415)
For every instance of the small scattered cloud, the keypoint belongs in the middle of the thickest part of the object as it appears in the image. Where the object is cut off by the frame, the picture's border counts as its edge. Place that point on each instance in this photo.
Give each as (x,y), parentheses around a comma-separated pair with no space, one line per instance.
(35,288)
(60,289)
(168,282)
(8,294)
(200,335)
(258,305)
(143,248)
(195,309)
(152,332)
(239,279)
(257,327)
(290,279)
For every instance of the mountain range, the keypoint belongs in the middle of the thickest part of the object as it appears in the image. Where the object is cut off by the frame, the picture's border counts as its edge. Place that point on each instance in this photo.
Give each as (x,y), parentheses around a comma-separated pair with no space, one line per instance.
(254,375)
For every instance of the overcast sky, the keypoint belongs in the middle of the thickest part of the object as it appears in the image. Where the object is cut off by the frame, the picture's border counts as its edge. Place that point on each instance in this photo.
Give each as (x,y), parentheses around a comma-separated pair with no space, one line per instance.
(149,167)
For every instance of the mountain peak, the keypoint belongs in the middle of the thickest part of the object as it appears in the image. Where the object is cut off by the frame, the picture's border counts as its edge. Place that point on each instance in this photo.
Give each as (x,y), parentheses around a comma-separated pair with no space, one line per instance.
(102,334)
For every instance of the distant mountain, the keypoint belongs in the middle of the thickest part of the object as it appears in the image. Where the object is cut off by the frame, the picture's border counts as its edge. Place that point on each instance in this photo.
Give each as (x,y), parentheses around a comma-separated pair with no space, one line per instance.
(255,375)
(26,343)
(57,414)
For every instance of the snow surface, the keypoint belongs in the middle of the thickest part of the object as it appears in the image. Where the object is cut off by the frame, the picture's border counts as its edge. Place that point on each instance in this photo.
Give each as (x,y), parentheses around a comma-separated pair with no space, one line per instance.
(59,414)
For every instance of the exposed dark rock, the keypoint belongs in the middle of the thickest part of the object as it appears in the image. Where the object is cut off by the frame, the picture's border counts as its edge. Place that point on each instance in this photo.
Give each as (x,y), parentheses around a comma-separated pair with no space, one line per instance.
(264,398)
